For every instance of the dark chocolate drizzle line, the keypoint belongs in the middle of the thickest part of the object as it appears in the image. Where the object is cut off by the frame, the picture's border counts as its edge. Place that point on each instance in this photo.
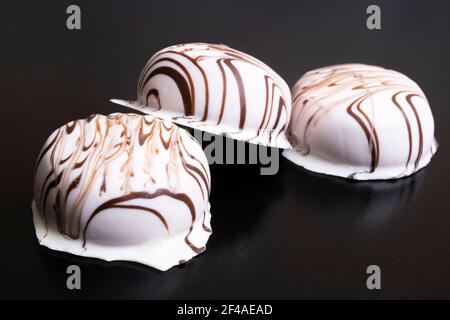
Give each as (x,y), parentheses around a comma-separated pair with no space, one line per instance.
(189,169)
(169,125)
(181,83)
(372,138)
(65,160)
(204,174)
(185,71)
(165,143)
(113,203)
(419,126)
(224,90)
(194,248)
(408,125)
(266,105)
(201,174)
(205,79)
(57,208)
(150,64)
(204,226)
(281,106)
(306,130)
(73,186)
(53,174)
(353,175)
(91,117)
(45,151)
(88,146)
(238,55)
(281,130)
(79,164)
(125,206)
(71,126)
(144,136)
(241,89)
(155,93)
(271,107)
(103,186)
(373,133)
(45,183)
(50,186)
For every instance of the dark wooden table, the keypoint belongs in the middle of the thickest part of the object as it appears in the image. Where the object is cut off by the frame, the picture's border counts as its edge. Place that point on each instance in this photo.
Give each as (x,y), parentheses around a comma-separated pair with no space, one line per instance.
(292,235)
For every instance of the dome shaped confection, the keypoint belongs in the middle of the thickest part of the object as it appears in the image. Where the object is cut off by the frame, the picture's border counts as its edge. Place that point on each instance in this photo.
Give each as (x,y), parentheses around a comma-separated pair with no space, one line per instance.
(216,89)
(360,122)
(123,187)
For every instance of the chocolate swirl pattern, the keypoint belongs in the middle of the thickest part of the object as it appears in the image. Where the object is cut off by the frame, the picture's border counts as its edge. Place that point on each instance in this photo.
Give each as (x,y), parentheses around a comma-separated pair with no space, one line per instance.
(123,187)
(360,122)
(217,89)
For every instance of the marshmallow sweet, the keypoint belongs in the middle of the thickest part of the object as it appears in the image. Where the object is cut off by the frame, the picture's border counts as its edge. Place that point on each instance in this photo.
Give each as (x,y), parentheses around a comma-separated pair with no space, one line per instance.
(123,187)
(360,122)
(216,89)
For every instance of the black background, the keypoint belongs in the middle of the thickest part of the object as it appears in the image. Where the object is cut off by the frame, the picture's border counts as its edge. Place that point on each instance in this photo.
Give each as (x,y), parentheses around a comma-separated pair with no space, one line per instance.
(292,235)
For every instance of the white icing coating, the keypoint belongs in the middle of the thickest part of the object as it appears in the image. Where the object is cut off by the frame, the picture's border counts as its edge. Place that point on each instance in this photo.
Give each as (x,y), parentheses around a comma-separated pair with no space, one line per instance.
(360,122)
(123,187)
(217,89)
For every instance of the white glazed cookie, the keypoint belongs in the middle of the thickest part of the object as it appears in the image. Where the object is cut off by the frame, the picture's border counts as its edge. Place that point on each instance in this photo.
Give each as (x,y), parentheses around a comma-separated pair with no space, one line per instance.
(123,187)
(217,89)
(360,122)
